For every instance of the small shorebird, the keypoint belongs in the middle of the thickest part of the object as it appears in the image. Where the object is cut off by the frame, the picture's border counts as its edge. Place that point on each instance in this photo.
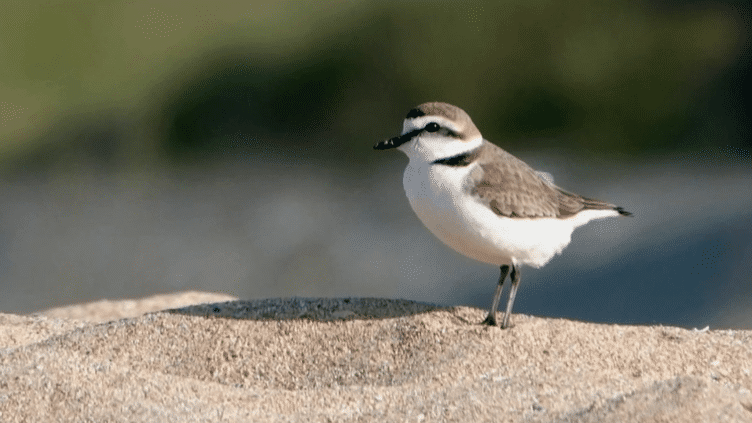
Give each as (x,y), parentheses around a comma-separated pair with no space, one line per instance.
(482,201)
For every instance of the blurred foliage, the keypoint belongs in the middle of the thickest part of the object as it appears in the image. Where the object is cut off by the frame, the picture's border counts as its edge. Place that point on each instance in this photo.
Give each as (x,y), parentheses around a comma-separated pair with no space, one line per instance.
(124,83)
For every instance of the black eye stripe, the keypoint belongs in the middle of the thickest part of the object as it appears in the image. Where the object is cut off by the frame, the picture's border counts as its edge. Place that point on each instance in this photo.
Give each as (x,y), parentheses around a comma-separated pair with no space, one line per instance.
(410,135)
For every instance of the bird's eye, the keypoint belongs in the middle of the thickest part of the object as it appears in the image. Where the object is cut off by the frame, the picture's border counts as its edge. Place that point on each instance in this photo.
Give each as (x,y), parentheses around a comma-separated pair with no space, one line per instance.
(432,127)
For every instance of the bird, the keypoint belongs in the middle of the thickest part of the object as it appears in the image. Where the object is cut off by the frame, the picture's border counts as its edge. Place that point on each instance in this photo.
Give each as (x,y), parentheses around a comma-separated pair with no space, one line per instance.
(482,201)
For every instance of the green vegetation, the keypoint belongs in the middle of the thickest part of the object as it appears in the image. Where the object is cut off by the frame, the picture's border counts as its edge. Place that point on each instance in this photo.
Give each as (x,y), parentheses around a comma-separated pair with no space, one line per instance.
(126,83)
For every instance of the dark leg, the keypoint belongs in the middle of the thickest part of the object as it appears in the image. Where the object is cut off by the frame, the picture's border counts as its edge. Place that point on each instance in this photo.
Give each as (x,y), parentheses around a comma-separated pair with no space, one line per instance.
(491,318)
(515,277)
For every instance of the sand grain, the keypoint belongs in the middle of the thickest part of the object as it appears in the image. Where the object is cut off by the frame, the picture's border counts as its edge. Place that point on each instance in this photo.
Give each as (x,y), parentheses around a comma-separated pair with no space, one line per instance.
(362,359)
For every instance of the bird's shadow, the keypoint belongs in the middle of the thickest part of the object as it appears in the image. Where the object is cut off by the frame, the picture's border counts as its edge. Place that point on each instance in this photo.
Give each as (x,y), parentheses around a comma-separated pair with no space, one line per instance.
(316,309)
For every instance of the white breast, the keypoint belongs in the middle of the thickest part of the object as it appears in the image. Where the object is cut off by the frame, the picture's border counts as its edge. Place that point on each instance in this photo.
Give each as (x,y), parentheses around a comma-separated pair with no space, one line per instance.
(441,198)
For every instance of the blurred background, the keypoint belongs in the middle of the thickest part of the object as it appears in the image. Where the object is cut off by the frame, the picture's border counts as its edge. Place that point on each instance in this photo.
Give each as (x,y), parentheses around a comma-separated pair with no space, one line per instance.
(160,146)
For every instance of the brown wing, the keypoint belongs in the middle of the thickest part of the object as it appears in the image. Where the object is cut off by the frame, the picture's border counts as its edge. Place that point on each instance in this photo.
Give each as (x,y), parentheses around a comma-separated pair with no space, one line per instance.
(513,189)
(570,204)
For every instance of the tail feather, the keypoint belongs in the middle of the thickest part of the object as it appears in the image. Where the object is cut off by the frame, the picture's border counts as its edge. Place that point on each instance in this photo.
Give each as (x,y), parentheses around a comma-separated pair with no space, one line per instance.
(570,203)
(622,211)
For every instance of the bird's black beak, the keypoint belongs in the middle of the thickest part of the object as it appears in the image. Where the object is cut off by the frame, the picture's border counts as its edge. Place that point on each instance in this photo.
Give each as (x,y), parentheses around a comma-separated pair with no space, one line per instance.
(391,143)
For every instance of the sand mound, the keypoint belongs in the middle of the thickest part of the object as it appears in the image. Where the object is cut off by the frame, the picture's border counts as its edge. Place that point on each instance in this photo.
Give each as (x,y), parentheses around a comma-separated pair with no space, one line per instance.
(362,359)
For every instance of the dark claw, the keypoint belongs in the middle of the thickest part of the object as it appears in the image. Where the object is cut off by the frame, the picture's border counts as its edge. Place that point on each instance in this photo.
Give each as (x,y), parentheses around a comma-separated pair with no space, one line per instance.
(509,325)
(490,320)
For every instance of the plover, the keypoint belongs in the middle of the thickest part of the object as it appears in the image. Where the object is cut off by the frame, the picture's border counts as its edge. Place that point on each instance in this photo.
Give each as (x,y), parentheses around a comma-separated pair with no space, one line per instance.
(482,201)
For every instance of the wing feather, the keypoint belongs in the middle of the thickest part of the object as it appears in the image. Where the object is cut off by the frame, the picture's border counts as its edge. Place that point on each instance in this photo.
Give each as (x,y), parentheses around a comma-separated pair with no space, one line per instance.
(514,189)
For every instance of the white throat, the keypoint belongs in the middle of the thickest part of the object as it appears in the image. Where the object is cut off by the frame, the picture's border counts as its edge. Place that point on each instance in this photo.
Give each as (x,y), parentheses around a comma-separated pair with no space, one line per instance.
(429,148)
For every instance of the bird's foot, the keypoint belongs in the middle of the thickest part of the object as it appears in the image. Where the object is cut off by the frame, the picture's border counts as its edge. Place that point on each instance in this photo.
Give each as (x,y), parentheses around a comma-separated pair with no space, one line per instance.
(490,320)
(506,323)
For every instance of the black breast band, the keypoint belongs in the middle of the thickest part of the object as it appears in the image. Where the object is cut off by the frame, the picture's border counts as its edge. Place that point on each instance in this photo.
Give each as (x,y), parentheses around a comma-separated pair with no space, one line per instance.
(460,160)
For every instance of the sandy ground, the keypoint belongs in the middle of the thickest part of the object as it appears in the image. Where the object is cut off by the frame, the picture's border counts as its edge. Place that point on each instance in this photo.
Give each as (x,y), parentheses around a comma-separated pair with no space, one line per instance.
(358,360)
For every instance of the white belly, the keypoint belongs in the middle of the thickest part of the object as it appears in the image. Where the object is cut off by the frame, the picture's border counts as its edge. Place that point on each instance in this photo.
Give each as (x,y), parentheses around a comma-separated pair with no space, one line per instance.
(440,197)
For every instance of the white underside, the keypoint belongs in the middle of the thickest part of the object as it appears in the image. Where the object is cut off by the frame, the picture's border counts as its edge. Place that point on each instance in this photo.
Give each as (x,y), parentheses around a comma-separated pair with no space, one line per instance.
(440,197)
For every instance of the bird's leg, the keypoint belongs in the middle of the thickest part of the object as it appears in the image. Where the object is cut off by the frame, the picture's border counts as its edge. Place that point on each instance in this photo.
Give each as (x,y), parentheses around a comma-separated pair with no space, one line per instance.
(515,277)
(491,318)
